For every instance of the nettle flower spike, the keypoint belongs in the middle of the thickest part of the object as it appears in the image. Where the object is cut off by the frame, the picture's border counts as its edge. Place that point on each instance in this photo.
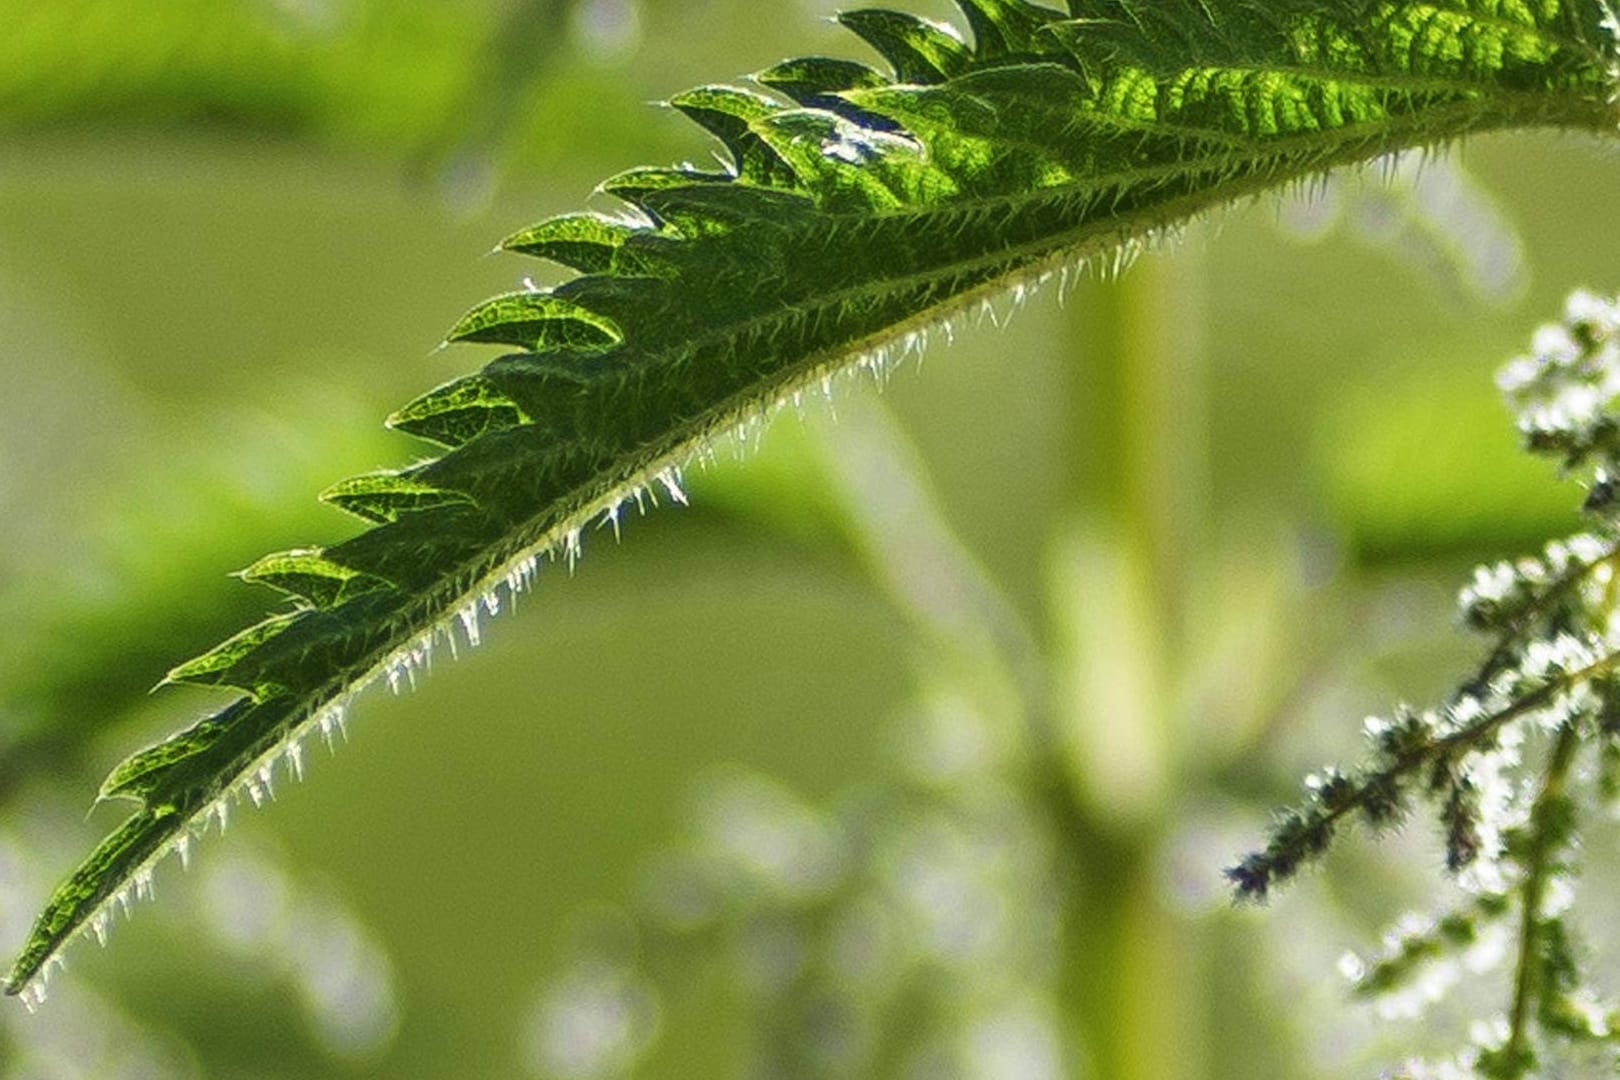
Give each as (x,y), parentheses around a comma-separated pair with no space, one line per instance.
(1564,390)
(1525,745)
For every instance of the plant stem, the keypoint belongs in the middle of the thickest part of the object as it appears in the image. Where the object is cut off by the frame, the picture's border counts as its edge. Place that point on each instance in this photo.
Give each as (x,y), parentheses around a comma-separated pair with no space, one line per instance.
(1136,497)
(1517,1055)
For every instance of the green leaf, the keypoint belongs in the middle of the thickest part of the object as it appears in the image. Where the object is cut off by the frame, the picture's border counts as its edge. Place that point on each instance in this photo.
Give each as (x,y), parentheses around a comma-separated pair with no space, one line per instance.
(140,775)
(311,576)
(584,242)
(387,496)
(730,115)
(535,320)
(224,664)
(1003,27)
(857,211)
(814,80)
(451,416)
(632,184)
(921,51)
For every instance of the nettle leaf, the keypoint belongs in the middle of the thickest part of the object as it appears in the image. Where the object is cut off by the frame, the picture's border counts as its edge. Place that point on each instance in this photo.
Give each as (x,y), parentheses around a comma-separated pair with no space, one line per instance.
(224,665)
(388,496)
(856,210)
(583,242)
(921,51)
(535,320)
(310,576)
(452,415)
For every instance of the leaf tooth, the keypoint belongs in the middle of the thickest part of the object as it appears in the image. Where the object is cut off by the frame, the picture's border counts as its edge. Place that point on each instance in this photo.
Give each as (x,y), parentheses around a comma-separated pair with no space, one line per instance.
(385,496)
(536,321)
(308,574)
(711,209)
(724,110)
(816,82)
(557,398)
(1001,27)
(141,774)
(510,472)
(215,667)
(583,242)
(729,114)
(413,550)
(813,80)
(633,185)
(452,415)
(920,50)
(966,124)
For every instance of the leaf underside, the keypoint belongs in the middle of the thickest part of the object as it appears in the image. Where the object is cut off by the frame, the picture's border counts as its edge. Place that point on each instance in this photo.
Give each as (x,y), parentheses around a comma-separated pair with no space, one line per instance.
(856,207)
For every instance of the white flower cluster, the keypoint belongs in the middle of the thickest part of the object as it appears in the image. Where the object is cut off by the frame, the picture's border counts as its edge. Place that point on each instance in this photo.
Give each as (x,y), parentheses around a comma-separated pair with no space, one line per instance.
(1563,390)
(1501,759)
(1546,660)
(1503,592)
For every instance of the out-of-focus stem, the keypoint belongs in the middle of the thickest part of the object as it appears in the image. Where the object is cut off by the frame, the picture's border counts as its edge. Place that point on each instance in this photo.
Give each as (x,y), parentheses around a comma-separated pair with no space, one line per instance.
(1136,496)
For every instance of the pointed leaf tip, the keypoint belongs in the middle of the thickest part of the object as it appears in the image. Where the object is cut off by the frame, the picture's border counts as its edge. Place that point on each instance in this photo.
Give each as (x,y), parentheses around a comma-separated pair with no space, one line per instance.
(108,868)
(920,50)
(633,184)
(213,668)
(583,242)
(1002,27)
(729,114)
(310,575)
(141,774)
(810,79)
(387,496)
(451,415)
(536,321)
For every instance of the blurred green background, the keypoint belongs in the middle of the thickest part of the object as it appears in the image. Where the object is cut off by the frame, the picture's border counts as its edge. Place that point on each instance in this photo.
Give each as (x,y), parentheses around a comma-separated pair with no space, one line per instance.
(757,792)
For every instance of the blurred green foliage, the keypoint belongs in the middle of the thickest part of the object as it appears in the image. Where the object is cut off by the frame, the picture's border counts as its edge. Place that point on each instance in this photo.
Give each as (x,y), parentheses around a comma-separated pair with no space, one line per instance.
(230,235)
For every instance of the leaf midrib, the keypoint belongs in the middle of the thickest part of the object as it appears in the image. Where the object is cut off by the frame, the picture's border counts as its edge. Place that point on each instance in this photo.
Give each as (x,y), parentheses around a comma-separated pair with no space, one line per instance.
(1354,150)
(545,529)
